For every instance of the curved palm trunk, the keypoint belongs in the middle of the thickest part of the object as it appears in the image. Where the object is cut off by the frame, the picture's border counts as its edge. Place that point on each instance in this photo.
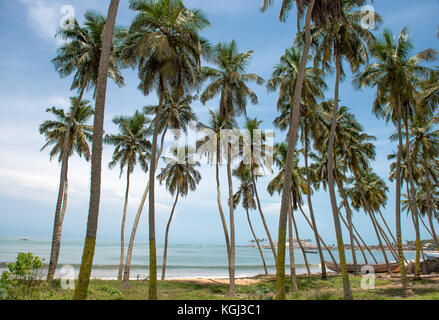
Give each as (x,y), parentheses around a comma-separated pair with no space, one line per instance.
(429,201)
(96,157)
(151,213)
(292,139)
(273,249)
(126,274)
(355,238)
(232,225)
(412,197)
(308,270)
(293,278)
(398,204)
(57,225)
(350,225)
(385,238)
(383,250)
(418,248)
(257,242)
(387,227)
(344,274)
(321,239)
(323,276)
(56,236)
(165,252)
(122,229)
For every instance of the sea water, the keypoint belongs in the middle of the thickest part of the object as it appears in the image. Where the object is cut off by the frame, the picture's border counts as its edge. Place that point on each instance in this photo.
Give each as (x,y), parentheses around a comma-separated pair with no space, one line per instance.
(183,260)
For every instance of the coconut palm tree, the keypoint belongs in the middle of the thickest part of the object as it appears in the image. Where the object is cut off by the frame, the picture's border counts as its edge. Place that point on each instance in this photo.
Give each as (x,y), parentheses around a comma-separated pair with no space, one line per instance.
(425,147)
(322,13)
(284,77)
(342,37)
(393,74)
(246,195)
(96,161)
(177,114)
(131,148)
(79,136)
(257,154)
(230,82)
(79,56)
(166,46)
(180,176)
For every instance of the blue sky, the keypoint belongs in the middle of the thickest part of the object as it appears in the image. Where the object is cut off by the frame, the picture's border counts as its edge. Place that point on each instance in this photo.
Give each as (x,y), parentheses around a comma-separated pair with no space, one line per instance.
(29,85)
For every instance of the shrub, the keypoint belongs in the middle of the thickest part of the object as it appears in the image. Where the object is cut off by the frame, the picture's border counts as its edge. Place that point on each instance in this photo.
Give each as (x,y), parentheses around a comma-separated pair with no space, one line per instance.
(23,277)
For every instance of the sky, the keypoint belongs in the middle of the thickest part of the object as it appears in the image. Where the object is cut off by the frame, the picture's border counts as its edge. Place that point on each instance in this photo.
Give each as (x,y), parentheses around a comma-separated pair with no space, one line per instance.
(29,85)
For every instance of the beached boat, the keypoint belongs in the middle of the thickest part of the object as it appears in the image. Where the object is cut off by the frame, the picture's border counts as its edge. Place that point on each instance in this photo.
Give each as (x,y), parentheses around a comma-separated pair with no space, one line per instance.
(431,255)
(378,268)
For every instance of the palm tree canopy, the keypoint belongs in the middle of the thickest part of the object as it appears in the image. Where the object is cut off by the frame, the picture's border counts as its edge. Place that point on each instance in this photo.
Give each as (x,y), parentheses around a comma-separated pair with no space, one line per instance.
(165,44)
(246,191)
(230,80)
(80,132)
(131,145)
(180,174)
(81,52)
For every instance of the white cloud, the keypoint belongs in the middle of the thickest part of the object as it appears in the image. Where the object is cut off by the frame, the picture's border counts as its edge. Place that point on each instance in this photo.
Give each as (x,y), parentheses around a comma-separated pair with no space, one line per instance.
(44,17)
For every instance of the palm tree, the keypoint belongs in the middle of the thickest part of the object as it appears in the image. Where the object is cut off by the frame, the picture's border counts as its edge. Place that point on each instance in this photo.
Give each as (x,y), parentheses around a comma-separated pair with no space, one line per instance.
(246,195)
(79,136)
(393,74)
(177,114)
(298,187)
(342,37)
(284,77)
(258,155)
(96,161)
(131,147)
(230,82)
(425,147)
(80,55)
(180,177)
(322,13)
(209,146)
(166,45)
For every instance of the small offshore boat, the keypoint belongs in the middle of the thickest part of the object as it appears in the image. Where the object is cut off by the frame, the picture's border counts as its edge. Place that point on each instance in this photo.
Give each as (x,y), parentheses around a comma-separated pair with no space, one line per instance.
(431,255)
(378,268)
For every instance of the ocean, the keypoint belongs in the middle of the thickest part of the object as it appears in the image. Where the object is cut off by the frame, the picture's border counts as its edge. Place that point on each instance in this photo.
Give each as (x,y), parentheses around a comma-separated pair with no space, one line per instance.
(184,260)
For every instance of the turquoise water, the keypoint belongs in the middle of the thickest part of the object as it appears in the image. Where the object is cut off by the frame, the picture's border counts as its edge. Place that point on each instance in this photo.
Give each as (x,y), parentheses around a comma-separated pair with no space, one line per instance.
(184,260)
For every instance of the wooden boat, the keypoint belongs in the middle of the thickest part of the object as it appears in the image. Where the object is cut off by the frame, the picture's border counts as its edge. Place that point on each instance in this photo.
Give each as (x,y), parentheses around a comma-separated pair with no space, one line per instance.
(431,255)
(378,268)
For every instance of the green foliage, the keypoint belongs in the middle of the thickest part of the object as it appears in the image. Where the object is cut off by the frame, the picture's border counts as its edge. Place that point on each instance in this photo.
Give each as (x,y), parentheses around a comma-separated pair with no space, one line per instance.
(23,277)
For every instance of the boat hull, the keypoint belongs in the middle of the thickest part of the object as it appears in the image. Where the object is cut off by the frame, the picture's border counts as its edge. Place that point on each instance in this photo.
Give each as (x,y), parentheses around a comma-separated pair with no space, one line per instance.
(378,268)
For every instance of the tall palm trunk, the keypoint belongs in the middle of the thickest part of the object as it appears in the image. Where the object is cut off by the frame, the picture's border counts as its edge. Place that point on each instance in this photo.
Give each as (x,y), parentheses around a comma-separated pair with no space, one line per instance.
(165,252)
(258,202)
(257,241)
(126,274)
(293,278)
(305,258)
(122,228)
(398,203)
(311,210)
(385,238)
(57,225)
(355,238)
(96,157)
(387,227)
(383,250)
(231,224)
(412,198)
(344,274)
(292,139)
(350,225)
(320,238)
(429,201)
(151,215)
